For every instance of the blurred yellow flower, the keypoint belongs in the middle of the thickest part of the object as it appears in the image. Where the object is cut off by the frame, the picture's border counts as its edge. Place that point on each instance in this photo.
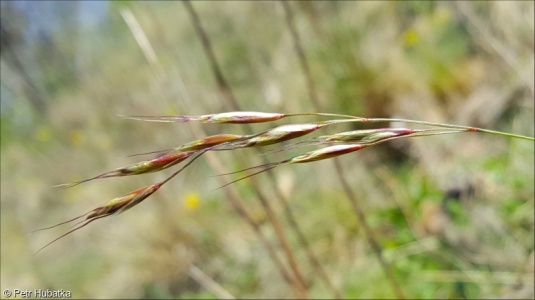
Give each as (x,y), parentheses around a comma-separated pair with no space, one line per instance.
(191,201)
(43,134)
(411,37)
(77,137)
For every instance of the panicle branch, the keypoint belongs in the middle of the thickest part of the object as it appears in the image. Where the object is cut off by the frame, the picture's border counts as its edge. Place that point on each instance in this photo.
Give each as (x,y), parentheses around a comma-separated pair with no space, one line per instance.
(117,205)
(337,144)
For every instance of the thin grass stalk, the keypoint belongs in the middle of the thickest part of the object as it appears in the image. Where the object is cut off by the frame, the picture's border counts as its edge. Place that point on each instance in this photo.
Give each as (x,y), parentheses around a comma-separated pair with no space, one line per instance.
(451,126)
(235,201)
(289,215)
(351,197)
(227,94)
(301,237)
(280,232)
(208,283)
(312,93)
(238,207)
(222,84)
(372,240)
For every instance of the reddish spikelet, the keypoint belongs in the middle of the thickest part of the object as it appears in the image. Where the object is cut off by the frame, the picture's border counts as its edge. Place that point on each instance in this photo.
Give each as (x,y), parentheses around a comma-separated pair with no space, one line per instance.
(120,204)
(280,134)
(199,144)
(114,206)
(156,164)
(327,152)
(209,141)
(148,166)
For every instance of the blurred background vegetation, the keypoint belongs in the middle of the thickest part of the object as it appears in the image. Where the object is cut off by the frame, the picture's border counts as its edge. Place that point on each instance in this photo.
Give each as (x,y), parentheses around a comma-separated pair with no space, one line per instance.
(454,215)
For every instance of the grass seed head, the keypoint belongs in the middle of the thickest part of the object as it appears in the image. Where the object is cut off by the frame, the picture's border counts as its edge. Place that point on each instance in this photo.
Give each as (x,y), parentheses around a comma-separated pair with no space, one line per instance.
(367,134)
(114,206)
(243,117)
(156,164)
(122,203)
(147,166)
(281,134)
(237,117)
(209,142)
(325,153)
(386,134)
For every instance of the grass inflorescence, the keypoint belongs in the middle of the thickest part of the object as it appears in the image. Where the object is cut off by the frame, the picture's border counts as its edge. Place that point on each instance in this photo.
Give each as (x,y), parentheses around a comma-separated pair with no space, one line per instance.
(333,145)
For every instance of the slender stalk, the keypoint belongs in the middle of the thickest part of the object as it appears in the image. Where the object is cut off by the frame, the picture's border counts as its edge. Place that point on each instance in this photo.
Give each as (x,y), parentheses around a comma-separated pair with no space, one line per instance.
(313,94)
(444,125)
(302,238)
(236,204)
(279,231)
(228,96)
(208,283)
(222,84)
(358,211)
(370,235)
(467,128)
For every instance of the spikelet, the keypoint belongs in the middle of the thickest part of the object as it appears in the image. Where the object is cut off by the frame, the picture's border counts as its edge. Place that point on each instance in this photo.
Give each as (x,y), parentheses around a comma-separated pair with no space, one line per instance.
(199,144)
(209,141)
(148,166)
(280,134)
(238,117)
(325,153)
(367,135)
(284,133)
(114,206)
